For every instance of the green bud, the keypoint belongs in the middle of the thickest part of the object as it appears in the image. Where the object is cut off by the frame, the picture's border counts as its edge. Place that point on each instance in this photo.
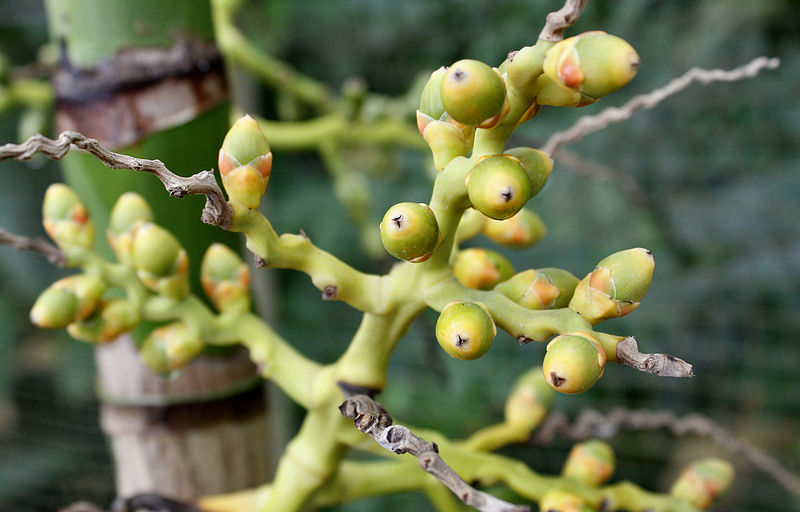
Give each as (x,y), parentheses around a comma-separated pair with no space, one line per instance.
(573,362)
(529,401)
(481,269)
(225,279)
(111,319)
(55,308)
(161,263)
(465,330)
(446,140)
(87,289)
(530,289)
(245,162)
(558,500)
(564,281)
(591,462)
(409,231)
(474,94)
(130,211)
(471,224)
(65,218)
(537,164)
(170,347)
(607,63)
(703,481)
(430,102)
(522,230)
(498,186)
(615,287)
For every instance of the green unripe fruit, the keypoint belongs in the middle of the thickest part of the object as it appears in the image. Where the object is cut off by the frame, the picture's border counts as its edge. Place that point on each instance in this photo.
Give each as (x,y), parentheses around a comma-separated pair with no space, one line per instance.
(171,347)
(225,279)
(591,462)
(465,330)
(537,164)
(65,219)
(573,362)
(155,250)
(473,93)
(529,402)
(607,62)
(558,500)
(481,269)
(55,308)
(703,481)
(87,289)
(430,101)
(530,289)
(522,230)
(409,231)
(498,186)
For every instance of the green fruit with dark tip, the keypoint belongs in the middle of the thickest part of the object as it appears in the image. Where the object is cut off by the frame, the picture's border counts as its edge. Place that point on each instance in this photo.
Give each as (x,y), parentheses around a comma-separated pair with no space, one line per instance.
(498,186)
(409,231)
(465,330)
(473,92)
(573,362)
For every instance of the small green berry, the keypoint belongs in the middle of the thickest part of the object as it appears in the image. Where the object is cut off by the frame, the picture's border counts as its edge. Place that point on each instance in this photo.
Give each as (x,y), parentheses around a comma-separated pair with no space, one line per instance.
(498,186)
(55,308)
(473,93)
(573,362)
(161,263)
(465,330)
(703,481)
(409,231)
(591,462)
(481,269)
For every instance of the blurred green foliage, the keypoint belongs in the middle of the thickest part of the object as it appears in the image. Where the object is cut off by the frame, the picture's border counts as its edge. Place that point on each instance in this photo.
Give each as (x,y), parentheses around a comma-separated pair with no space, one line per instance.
(719,204)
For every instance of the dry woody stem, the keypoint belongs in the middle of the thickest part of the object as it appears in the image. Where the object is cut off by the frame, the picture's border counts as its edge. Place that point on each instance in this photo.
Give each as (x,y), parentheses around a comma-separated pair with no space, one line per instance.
(372,419)
(663,365)
(590,124)
(591,423)
(216,210)
(560,20)
(50,251)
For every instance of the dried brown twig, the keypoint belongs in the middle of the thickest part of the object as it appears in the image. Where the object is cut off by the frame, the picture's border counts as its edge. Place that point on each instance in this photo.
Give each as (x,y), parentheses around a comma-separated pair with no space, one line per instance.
(372,419)
(50,251)
(558,21)
(663,365)
(216,210)
(591,423)
(590,124)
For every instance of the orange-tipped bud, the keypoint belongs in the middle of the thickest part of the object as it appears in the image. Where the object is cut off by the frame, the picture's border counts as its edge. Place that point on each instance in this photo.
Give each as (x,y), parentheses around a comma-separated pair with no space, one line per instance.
(65,218)
(170,347)
(111,319)
(703,481)
(591,462)
(225,279)
(245,162)
(129,212)
(522,230)
(481,269)
(529,402)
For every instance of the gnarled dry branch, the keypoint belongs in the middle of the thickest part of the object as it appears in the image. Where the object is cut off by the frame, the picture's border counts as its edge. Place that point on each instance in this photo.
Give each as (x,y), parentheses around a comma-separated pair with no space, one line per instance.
(591,423)
(50,251)
(560,20)
(372,419)
(663,365)
(216,210)
(590,124)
